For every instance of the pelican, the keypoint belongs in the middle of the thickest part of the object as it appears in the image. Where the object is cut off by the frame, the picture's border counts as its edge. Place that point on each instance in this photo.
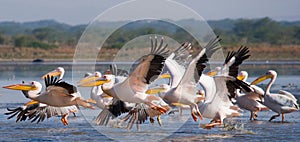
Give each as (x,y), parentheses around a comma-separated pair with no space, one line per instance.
(183,89)
(281,102)
(217,104)
(38,111)
(132,89)
(249,100)
(58,93)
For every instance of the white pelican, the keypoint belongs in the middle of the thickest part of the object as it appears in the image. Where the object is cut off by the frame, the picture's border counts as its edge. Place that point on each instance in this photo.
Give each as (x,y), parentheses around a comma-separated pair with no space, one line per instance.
(133,88)
(249,100)
(217,104)
(183,87)
(283,102)
(38,111)
(58,93)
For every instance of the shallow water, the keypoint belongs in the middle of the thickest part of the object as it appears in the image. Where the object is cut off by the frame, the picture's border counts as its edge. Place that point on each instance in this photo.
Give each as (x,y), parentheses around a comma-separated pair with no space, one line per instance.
(175,127)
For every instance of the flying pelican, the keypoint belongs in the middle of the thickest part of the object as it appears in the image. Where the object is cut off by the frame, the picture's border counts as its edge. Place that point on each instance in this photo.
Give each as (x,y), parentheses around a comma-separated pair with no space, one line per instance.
(249,100)
(58,93)
(132,89)
(39,111)
(217,104)
(183,90)
(283,102)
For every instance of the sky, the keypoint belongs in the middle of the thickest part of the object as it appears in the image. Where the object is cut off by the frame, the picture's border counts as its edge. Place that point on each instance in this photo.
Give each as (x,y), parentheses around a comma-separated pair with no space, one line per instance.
(76,12)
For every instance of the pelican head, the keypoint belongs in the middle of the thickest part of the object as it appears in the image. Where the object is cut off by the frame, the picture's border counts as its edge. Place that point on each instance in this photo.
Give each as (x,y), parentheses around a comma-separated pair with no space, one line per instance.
(243,75)
(94,80)
(28,88)
(59,71)
(90,78)
(269,74)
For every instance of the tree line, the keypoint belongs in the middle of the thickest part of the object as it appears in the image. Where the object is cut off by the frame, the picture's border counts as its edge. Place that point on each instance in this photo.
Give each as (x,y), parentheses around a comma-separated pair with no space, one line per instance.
(254,31)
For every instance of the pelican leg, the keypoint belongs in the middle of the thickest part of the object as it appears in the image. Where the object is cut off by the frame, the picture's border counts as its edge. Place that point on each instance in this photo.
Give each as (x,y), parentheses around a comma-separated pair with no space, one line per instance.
(64,119)
(282,117)
(211,125)
(158,108)
(74,114)
(194,116)
(151,120)
(251,115)
(255,116)
(273,117)
(159,120)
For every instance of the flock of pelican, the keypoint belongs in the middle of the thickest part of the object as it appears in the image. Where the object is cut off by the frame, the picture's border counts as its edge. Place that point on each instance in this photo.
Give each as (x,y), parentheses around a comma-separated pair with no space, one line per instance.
(224,91)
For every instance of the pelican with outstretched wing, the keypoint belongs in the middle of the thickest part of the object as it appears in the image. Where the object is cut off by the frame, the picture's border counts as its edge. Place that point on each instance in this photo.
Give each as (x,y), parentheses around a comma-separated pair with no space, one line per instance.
(183,87)
(281,102)
(217,104)
(58,93)
(131,92)
(36,111)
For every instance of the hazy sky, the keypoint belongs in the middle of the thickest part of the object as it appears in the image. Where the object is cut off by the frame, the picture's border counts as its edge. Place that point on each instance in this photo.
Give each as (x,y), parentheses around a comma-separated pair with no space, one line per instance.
(83,11)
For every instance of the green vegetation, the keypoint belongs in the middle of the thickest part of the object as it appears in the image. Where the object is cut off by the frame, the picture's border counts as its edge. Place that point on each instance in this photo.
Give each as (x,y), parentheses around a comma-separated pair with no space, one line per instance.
(263,35)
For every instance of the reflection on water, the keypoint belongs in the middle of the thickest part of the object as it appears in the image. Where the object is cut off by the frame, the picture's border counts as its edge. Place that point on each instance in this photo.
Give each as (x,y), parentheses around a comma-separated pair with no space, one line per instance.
(79,129)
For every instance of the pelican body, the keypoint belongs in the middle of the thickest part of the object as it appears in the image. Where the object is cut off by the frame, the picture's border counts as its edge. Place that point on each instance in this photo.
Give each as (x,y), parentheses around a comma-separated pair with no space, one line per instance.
(281,102)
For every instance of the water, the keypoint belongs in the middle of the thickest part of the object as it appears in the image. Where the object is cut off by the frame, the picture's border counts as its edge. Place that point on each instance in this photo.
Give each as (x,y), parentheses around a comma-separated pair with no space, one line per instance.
(79,128)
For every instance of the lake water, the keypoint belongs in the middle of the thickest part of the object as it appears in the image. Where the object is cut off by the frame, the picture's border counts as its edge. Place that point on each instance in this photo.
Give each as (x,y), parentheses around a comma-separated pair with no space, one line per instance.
(175,127)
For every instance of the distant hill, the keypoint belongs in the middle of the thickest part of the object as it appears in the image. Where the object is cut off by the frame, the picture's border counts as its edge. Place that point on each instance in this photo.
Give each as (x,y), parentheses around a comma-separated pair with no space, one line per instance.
(13,28)
(50,33)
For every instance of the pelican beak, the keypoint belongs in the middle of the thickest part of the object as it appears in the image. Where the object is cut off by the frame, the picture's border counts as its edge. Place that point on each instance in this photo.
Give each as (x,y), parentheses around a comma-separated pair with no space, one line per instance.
(88,79)
(31,103)
(240,77)
(52,73)
(24,87)
(212,73)
(155,90)
(260,79)
(165,75)
(93,82)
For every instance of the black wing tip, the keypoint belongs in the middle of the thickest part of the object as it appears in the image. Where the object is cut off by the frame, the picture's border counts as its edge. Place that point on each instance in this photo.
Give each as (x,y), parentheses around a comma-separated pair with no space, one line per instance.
(159,49)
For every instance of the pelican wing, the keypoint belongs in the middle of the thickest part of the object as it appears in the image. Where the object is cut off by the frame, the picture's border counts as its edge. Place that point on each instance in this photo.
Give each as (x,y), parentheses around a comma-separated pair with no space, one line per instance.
(287,94)
(239,57)
(175,69)
(55,86)
(149,68)
(22,111)
(282,100)
(139,114)
(221,89)
(40,113)
(199,63)
(37,112)
(115,109)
